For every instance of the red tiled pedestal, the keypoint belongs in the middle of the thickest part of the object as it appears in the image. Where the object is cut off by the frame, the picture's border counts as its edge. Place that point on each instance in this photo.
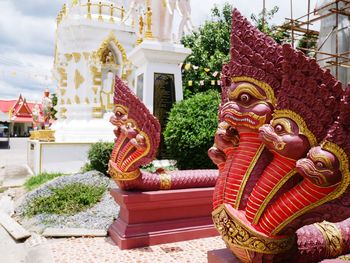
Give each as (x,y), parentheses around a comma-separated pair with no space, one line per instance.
(158,217)
(222,256)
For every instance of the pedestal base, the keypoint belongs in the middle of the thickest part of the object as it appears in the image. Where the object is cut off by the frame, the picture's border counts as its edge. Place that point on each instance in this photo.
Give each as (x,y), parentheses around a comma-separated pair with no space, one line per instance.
(55,157)
(151,218)
(222,256)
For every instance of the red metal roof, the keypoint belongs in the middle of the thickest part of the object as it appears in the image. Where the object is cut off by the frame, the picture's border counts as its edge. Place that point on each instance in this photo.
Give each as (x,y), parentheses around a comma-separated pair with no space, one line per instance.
(21,109)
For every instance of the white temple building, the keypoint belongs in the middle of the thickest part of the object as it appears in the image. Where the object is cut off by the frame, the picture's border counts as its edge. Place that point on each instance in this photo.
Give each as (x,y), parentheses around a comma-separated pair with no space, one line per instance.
(96,41)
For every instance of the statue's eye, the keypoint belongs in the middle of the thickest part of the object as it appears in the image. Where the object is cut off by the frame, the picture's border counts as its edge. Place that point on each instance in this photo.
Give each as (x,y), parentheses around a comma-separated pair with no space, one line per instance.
(244,97)
(319,165)
(279,128)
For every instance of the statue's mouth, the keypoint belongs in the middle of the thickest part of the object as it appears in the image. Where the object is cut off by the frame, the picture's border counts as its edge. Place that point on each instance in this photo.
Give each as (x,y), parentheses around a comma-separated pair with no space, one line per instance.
(249,119)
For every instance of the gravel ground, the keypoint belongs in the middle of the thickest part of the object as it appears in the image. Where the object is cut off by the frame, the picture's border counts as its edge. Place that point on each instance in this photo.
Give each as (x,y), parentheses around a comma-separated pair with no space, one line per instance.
(99,216)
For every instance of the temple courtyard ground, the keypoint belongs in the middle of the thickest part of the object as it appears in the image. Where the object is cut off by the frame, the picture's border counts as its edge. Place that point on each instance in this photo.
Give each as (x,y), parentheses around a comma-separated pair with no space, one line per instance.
(89,250)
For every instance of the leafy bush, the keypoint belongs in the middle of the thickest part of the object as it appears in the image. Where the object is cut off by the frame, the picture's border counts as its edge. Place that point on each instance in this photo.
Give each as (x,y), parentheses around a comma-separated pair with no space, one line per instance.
(210,45)
(98,155)
(37,180)
(70,199)
(190,130)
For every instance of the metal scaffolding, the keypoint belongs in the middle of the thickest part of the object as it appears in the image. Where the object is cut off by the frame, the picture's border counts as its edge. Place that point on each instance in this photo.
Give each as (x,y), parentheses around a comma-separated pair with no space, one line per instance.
(298,28)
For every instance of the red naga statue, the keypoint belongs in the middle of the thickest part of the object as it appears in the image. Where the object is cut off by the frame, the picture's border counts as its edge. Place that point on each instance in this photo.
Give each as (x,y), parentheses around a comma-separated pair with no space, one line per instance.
(138,136)
(290,166)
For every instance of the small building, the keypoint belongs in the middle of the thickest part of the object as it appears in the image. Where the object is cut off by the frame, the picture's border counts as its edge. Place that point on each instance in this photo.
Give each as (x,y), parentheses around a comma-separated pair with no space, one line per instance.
(17,115)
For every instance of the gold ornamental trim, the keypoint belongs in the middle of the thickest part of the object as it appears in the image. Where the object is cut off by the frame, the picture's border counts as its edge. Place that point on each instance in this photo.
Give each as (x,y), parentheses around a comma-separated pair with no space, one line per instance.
(334,240)
(43,135)
(270,94)
(78,79)
(303,129)
(111,38)
(342,186)
(237,234)
(76,56)
(122,176)
(165,181)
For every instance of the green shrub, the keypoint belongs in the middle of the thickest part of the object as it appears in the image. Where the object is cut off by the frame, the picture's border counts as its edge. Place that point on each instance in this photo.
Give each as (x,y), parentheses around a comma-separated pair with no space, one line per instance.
(190,130)
(68,200)
(37,180)
(98,155)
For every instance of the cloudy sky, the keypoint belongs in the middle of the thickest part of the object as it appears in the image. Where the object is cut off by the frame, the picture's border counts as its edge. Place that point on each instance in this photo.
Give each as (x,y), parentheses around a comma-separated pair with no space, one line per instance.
(27,32)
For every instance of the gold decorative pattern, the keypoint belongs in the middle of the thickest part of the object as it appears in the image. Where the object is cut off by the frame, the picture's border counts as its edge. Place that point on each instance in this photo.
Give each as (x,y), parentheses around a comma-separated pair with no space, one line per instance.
(77,57)
(165,181)
(272,193)
(97,75)
(68,57)
(111,38)
(332,236)
(264,86)
(63,77)
(342,186)
(78,79)
(86,55)
(69,101)
(97,112)
(63,111)
(236,234)
(247,175)
(43,135)
(246,88)
(87,101)
(94,90)
(122,176)
(76,99)
(303,129)
(63,92)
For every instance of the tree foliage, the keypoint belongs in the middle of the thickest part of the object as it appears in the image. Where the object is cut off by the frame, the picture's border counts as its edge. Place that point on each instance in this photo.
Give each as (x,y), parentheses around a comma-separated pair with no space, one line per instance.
(307,43)
(210,45)
(263,22)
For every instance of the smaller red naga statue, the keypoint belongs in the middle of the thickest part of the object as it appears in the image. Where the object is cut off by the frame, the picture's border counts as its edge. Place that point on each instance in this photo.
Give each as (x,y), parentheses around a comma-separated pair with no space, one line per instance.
(137,134)
(289,168)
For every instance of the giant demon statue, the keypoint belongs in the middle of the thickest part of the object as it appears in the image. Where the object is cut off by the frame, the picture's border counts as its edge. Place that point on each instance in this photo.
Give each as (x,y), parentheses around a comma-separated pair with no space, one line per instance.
(290,167)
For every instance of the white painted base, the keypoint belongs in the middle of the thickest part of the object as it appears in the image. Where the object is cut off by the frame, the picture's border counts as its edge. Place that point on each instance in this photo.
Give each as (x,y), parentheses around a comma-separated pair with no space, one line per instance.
(55,157)
(84,130)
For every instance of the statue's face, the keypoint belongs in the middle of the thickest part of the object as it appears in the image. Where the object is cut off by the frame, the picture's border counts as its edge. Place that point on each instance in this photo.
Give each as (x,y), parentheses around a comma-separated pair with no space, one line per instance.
(247,109)
(282,136)
(320,167)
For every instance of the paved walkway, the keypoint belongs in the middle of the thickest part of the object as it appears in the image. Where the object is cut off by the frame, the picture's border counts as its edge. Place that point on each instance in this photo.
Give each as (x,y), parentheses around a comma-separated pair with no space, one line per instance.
(13,163)
(17,154)
(103,250)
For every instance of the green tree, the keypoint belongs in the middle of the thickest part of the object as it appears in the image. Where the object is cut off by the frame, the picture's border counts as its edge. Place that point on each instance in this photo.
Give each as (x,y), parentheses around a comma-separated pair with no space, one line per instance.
(263,22)
(307,43)
(54,103)
(210,45)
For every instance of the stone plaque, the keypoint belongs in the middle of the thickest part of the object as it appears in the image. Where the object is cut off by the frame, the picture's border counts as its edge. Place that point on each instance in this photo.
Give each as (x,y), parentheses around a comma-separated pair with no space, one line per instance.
(139,86)
(163,100)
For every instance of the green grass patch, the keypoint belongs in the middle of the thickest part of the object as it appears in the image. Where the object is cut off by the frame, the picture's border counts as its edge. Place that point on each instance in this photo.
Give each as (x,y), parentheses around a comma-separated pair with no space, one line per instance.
(68,200)
(37,180)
